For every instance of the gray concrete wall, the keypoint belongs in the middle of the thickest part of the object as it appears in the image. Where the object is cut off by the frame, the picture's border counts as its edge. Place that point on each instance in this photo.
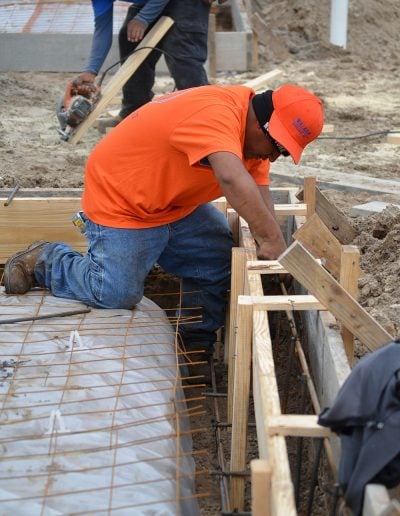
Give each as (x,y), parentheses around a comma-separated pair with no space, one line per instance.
(47,52)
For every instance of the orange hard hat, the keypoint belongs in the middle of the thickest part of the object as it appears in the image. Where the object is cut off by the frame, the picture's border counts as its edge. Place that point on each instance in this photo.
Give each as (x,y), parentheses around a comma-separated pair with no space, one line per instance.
(296,120)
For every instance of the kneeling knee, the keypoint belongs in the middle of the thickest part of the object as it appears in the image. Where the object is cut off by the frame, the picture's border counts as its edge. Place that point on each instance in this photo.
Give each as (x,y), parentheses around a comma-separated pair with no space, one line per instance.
(122,300)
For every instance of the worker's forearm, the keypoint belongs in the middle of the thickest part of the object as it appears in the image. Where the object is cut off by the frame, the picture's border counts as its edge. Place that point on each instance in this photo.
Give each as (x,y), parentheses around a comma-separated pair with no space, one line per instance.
(151,11)
(244,196)
(101,41)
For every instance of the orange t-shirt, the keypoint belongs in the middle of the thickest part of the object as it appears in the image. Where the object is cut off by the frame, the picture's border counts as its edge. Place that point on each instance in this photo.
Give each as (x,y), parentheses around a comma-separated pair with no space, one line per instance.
(148,170)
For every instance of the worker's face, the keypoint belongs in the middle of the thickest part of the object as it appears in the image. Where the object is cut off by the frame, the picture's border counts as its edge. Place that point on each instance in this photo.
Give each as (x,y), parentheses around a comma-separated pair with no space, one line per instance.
(257,144)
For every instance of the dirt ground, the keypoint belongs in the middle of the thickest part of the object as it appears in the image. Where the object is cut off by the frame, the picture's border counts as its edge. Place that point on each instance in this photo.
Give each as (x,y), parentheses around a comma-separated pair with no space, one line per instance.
(360,89)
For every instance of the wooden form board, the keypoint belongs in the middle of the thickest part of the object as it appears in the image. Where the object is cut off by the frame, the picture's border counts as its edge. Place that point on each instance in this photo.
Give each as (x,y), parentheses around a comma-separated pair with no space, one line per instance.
(260,487)
(332,217)
(251,341)
(28,219)
(393,138)
(315,236)
(297,425)
(272,426)
(261,81)
(302,266)
(115,84)
(284,302)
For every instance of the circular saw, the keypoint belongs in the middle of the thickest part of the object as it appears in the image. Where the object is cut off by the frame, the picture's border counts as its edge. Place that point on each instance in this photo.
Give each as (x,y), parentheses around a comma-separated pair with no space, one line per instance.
(75,106)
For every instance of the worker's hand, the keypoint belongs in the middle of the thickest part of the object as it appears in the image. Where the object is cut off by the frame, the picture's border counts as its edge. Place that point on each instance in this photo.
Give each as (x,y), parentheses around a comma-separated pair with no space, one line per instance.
(85,82)
(271,249)
(135,30)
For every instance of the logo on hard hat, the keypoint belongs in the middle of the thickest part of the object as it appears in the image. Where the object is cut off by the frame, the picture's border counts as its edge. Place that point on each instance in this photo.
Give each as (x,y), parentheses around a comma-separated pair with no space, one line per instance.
(298,124)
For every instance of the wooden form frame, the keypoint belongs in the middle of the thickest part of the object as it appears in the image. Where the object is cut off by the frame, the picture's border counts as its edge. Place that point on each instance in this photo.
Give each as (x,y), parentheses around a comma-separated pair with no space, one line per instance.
(249,344)
(27,219)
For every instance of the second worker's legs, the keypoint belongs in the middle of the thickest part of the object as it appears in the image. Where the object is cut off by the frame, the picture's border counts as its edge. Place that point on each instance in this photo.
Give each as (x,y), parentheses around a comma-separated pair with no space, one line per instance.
(138,89)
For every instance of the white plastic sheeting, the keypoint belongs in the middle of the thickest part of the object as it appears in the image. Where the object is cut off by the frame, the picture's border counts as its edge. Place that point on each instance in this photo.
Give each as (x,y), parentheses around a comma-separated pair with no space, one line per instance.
(93,419)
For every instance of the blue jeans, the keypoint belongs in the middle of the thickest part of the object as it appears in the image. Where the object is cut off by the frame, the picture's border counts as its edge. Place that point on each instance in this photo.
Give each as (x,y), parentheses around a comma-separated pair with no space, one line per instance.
(111,274)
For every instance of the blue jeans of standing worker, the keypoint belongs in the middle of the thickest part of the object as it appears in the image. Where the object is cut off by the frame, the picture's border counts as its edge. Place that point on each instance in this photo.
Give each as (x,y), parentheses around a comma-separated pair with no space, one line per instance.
(111,274)
(185,47)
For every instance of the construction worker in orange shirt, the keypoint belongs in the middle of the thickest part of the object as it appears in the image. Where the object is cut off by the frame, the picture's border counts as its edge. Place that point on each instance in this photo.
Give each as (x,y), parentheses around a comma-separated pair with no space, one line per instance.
(146,200)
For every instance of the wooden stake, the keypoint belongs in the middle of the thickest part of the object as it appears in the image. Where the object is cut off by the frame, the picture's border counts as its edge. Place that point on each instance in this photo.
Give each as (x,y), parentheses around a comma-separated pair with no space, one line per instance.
(241,394)
(349,275)
(309,194)
(237,289)
(260,487)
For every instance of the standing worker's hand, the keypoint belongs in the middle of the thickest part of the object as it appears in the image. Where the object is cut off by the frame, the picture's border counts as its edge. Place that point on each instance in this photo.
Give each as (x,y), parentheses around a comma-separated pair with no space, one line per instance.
(135,30)
(85,82)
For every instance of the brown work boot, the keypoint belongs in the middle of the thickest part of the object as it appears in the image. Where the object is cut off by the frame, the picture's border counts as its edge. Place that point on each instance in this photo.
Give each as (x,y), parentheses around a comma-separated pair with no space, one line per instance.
(19,274)
(107,123)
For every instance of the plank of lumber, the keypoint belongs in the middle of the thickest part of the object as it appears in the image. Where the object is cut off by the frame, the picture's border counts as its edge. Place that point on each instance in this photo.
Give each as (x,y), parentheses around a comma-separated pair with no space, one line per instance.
(302,266)
(44,217)
(290,209)
(237,289)
(28,219)
(349,276)
(260,82)
(240,405)
(310,183)
(260,487)
(41,192)
(276,303)
(297,426)
(393,138)
(335,221)
(315,236)
(267,404)
(265,267)
(130,66)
